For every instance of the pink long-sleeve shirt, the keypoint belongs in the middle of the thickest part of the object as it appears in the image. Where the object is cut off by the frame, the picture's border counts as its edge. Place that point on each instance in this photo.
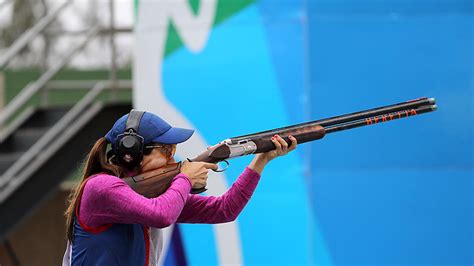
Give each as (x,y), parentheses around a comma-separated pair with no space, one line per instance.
(107,199)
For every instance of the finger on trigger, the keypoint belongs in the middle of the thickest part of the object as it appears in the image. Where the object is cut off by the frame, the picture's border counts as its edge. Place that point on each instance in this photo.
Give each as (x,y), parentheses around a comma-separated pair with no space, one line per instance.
(212,166)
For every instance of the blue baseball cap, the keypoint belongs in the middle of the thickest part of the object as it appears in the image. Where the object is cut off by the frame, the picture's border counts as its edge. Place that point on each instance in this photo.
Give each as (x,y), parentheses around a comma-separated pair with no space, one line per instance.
(152,128)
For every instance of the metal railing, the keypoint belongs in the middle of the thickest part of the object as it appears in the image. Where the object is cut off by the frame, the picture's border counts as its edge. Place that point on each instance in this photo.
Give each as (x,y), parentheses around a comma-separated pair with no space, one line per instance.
(11,118)
(31,89)
(30,34)
(13,107)
(55,137)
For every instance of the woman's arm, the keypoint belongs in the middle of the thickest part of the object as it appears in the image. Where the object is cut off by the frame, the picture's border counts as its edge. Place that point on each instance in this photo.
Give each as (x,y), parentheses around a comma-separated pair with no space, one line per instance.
(107,199)
(225,208)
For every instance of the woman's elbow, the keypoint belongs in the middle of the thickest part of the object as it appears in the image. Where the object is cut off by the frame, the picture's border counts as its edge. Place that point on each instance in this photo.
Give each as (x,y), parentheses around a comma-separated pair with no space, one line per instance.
(230,211)
(230,217)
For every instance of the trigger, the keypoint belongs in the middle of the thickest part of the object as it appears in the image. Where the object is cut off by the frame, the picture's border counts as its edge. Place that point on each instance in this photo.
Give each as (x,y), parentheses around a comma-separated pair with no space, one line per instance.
(222,170)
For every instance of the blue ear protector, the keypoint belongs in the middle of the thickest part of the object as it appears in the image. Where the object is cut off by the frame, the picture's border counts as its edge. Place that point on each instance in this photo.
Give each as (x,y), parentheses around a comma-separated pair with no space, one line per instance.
(129,145)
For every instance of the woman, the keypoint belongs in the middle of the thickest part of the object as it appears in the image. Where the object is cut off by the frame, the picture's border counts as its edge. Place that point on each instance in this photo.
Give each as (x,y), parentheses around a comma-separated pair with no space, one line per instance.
(108,223)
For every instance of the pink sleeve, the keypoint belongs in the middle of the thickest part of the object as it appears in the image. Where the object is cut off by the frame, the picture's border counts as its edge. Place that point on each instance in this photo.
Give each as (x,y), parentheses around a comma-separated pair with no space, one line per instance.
(225,208)
(107,199)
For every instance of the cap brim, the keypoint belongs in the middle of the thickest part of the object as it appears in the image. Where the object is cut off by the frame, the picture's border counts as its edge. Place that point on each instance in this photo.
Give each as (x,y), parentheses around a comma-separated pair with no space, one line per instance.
(174,135)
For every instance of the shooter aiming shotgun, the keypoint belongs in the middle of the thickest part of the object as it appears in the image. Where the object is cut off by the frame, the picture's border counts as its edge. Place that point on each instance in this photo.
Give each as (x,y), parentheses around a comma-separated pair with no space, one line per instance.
(159,180)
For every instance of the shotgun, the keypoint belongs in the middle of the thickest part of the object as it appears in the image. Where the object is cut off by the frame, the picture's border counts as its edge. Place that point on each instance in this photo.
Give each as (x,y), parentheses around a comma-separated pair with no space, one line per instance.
(154,183)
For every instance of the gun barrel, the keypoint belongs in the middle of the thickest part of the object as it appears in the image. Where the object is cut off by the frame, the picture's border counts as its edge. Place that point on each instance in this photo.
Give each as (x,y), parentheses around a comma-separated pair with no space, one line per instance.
(378,111)
(341,119)
(382,118)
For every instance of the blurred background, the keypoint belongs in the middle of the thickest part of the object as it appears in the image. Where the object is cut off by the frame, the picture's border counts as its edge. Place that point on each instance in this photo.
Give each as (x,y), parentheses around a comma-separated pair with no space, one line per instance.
(398,193)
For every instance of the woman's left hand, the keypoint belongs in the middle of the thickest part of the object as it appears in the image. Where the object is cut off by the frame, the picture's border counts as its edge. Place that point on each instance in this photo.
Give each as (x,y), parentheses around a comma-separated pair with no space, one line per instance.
(282,148)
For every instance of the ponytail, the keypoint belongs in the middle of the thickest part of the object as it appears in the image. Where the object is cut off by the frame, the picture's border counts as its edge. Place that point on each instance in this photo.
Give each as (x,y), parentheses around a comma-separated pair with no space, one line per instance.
(96,163)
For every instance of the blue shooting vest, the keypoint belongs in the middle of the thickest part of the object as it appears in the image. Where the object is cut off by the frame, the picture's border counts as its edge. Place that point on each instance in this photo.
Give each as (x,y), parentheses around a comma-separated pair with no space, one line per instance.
(120,244)
(111,244)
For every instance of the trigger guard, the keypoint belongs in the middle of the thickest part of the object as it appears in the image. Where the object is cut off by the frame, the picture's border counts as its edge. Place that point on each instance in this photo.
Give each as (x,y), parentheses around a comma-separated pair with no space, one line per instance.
(198,190)
(222,170)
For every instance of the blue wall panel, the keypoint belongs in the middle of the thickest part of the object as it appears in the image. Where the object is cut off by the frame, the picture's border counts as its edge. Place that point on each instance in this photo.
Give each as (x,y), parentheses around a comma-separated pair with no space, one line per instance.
(402,192)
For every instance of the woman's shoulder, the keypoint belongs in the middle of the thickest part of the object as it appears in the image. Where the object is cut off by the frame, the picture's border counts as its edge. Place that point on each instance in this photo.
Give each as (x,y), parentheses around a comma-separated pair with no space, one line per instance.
(102,180)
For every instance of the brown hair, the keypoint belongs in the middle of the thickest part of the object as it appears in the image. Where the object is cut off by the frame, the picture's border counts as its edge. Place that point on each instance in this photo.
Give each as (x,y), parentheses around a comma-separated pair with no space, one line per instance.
(96,162)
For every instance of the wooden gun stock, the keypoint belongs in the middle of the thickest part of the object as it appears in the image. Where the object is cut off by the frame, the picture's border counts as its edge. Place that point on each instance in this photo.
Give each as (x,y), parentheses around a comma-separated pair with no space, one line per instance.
(154,183)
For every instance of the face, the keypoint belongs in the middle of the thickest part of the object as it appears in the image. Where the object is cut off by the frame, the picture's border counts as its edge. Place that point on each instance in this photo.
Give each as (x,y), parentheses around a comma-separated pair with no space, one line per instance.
(157,157)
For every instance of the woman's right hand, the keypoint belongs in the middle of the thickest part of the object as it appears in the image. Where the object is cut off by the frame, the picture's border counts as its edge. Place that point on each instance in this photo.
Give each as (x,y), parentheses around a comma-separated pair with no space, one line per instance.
(197,172)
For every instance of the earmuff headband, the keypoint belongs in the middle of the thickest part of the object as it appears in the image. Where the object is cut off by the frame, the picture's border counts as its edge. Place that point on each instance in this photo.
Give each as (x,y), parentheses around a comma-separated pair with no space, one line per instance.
(133,121)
